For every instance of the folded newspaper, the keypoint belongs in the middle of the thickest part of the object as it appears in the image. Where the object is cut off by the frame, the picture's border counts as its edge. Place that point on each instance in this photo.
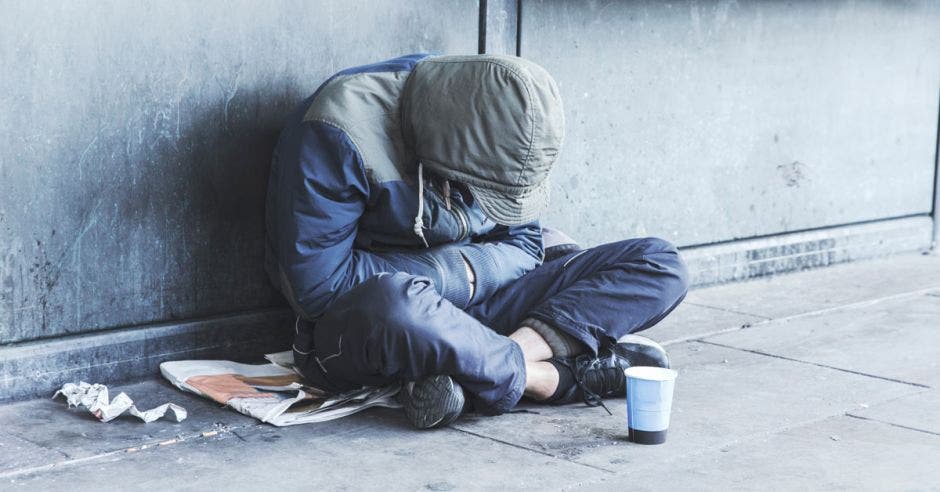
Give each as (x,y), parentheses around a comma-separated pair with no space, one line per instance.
(274,393)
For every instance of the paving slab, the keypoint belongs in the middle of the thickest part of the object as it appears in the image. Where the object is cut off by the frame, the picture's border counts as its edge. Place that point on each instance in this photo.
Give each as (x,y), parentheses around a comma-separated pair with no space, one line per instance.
(920,412)
(60,434)
(689,321)
(722,396)
(758,410)
(797,293)
(840,453)
(896,338)
(364,453)
(19,452)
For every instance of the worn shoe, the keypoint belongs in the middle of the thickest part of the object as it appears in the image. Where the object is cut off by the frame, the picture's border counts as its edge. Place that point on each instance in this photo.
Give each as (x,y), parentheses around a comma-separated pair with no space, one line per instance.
(434,401)
(596,378)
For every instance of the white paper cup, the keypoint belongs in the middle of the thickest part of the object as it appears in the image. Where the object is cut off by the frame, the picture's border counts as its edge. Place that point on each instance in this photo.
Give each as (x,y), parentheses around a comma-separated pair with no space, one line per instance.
(649,402)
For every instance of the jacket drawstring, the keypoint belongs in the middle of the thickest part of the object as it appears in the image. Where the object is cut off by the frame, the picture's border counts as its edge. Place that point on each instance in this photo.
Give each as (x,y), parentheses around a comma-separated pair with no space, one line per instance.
(419,219)
(446,193)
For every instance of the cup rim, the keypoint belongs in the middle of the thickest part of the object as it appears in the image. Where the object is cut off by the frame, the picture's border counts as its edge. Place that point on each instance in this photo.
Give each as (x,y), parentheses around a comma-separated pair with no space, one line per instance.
(650,373)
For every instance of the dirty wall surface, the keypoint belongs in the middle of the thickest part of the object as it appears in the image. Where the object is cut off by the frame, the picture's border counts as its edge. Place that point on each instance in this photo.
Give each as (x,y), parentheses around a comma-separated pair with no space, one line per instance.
(711,121)
(135,141)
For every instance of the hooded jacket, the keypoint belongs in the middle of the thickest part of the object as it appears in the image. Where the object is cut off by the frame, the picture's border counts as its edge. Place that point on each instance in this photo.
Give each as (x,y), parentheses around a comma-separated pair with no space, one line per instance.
(348,198)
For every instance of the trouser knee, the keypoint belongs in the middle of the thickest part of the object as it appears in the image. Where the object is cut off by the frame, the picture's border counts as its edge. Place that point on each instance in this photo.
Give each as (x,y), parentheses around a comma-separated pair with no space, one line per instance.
(389,306)
(665,259)
(383,330)
(657,262)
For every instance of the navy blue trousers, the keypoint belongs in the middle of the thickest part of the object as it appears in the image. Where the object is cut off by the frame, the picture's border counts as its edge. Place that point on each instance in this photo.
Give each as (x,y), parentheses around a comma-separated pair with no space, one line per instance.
(396,327)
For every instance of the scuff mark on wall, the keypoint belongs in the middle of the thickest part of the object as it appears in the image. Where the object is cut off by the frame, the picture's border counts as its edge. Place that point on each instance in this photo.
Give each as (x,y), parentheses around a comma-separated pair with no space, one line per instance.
(8,290)
(46,274)
(229,93)
(793,173)
(81,160)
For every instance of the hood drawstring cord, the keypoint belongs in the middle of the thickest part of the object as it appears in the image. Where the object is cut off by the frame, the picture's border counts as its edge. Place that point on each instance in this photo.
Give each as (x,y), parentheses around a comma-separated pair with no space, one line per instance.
(447,193)
(419,219)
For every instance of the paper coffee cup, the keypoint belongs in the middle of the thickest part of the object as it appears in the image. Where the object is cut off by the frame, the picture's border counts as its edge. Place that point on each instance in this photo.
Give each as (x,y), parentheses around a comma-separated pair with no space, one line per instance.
(649,403)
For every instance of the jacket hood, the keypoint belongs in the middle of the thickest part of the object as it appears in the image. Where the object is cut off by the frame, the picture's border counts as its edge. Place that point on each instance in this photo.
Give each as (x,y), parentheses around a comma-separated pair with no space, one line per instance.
(493,122)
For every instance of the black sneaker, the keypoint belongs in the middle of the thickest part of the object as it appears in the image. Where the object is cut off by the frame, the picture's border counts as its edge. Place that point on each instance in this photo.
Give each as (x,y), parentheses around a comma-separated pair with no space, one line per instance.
(434,401)
(596,378)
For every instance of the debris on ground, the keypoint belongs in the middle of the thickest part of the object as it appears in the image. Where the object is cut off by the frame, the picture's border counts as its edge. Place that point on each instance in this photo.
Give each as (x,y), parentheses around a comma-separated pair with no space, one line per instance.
(95,398)
(273,393)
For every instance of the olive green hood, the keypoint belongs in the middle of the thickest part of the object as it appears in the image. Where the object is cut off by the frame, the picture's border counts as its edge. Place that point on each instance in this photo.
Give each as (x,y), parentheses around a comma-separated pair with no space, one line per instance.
(492,122)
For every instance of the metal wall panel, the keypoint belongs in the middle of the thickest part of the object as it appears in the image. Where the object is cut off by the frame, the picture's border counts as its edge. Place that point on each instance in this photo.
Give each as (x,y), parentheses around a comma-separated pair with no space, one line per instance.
(703,121)
(135,140)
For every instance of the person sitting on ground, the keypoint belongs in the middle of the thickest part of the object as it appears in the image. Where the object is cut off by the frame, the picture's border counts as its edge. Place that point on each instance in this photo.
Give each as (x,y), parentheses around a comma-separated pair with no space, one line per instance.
(402,228)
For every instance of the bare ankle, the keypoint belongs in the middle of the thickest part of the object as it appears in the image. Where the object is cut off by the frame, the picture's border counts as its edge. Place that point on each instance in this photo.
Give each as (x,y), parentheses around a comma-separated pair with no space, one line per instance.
(534,347)
(541,380)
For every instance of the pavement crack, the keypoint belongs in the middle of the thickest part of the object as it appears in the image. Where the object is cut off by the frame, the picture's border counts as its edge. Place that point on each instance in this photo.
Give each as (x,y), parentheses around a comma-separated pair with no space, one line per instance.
(699,336)
(765,320)
(526,448)
(727,310)
(149,445)
(712,448)
(854,305)
(40,445)
(892,424)
(817,364)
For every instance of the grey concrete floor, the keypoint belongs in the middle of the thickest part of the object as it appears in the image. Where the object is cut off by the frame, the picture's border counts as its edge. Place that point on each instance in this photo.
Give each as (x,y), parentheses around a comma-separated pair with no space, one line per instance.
(823,379)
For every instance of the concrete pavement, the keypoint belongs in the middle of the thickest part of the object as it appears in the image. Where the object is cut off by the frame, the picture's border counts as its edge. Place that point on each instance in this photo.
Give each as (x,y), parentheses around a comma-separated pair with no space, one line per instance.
(822,379)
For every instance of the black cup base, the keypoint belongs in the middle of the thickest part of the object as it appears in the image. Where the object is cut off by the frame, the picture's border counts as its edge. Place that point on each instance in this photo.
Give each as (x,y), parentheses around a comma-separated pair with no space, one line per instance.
(647,437)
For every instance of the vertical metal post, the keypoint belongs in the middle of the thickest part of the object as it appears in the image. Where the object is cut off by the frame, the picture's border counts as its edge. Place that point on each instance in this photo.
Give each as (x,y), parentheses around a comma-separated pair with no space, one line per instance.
(936,184)
(481,30)
(498,27)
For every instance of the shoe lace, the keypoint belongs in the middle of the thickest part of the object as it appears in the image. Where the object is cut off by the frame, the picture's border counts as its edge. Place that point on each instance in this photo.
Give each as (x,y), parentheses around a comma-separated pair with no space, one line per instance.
(591,375)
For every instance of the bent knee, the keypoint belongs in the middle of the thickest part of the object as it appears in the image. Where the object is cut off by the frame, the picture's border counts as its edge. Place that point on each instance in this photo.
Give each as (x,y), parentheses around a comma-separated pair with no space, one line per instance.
(386,289)
(389,302)
(655,245)
(666,257)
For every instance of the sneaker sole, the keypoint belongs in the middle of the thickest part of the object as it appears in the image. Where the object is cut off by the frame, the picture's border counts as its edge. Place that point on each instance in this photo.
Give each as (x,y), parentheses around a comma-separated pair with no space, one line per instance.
(642,351)
(433,402)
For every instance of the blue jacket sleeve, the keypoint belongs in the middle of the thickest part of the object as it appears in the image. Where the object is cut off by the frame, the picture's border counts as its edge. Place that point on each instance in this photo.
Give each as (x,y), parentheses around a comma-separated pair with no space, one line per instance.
(322,192)
(503,255)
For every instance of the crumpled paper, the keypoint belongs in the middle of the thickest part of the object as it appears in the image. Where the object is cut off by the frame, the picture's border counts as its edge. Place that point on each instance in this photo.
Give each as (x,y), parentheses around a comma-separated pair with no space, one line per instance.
(94,397)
